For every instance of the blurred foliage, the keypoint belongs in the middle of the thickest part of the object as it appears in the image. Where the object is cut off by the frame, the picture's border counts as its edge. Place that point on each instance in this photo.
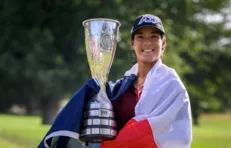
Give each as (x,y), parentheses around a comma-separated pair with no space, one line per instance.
(42,51)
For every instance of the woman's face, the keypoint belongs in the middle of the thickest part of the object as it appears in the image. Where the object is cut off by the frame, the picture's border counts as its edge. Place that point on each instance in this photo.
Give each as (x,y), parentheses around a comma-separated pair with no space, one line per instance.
(148,44)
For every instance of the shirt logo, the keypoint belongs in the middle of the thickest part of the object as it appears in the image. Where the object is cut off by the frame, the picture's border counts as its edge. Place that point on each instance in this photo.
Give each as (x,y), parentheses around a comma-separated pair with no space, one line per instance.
(148,19)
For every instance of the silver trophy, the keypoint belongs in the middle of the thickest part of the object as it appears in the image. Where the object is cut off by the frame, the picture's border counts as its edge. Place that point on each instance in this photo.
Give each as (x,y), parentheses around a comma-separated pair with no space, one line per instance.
(101,37)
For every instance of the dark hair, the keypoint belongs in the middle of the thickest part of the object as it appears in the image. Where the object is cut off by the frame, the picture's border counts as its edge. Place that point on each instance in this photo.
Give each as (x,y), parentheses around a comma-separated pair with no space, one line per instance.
(132,56)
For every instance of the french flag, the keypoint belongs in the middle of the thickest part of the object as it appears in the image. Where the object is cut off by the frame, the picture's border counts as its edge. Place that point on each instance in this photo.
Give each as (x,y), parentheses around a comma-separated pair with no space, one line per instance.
(162,115)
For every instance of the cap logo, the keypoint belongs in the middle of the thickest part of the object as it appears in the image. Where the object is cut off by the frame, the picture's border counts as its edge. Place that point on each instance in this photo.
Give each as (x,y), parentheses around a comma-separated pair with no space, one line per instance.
(148,19)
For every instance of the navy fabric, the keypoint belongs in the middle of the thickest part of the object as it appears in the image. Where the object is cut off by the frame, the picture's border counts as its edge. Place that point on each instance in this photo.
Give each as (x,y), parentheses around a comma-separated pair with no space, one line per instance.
(70,118)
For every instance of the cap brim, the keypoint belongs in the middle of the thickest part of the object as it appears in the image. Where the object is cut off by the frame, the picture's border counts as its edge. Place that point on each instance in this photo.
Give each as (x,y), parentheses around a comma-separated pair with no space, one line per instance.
(147,26)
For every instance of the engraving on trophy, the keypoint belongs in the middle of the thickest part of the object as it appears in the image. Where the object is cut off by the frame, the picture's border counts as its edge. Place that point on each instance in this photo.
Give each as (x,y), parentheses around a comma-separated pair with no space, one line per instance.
(104,122)
(95,130)
(105,38)
(96,121)
(104,113)
(105,42)
(94,113)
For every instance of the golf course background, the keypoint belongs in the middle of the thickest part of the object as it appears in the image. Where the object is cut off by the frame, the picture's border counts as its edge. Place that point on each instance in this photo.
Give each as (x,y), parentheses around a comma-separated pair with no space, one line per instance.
(43,60)
(26,132)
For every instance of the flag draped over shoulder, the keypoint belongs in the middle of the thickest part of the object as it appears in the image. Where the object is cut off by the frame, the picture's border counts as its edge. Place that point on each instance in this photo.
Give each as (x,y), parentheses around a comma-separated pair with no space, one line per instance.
(162,115)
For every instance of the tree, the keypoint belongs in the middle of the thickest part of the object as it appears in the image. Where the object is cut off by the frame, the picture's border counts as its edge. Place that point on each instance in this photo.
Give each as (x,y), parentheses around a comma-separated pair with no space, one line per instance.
(43,58)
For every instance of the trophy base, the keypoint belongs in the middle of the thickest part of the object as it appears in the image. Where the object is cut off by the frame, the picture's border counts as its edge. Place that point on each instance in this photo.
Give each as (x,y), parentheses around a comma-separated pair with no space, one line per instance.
(98,124)
(98,133)
(97,138)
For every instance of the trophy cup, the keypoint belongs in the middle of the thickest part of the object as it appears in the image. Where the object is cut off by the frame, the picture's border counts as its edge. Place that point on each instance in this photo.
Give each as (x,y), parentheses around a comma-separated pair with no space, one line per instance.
(101,37)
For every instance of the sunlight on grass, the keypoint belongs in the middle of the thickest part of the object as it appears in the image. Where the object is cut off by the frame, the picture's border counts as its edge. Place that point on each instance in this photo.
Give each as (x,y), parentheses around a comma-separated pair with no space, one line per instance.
(25,131)
(8,144)
(212,133)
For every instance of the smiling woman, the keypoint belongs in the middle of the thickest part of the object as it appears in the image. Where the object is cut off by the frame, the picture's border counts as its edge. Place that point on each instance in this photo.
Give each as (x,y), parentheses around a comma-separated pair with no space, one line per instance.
(148,42)
(151,105)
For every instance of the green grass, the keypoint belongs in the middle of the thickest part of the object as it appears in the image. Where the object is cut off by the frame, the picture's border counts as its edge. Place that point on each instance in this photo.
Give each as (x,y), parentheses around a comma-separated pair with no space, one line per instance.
(214,132)
(20,131)
(27,132)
